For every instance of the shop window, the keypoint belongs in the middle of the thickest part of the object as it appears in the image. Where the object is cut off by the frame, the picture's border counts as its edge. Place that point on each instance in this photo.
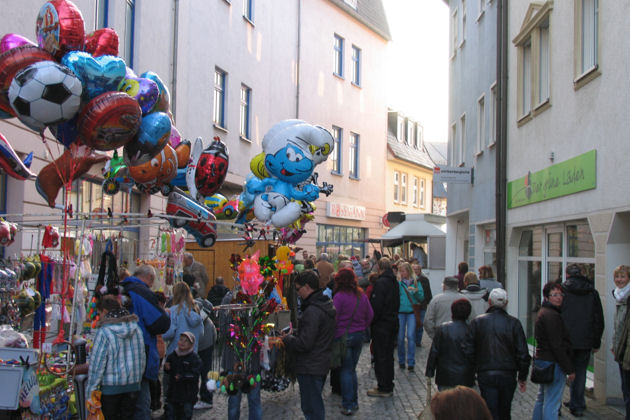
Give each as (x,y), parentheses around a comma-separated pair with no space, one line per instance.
(563,244)
(336,240)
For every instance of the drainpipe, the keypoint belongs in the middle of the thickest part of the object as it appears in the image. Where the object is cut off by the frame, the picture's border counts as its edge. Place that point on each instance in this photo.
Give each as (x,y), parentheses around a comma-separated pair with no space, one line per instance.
(297,65)
(501,143)
(175,43)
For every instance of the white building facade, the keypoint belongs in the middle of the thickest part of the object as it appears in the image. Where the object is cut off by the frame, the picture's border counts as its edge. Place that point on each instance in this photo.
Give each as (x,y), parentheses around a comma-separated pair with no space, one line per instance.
(568,200)
(471,222)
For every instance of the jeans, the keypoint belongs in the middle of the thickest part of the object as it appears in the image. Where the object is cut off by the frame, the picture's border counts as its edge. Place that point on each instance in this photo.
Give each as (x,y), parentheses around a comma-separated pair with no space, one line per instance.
(348,374)
(497,391)
(118,406)
(383,337)
(549,395)
(253,403)
(311,396)
(625,388)
(420,331)
(179,411)
(206,364)
(143,404)
(407,326)
(580,361)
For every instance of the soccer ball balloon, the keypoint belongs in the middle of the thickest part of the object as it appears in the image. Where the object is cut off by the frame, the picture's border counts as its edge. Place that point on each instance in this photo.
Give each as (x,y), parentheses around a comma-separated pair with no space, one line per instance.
(45,93)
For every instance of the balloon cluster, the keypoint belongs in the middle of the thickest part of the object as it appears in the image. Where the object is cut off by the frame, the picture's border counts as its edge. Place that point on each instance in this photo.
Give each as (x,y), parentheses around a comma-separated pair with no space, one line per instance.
(282,184)
(76,85)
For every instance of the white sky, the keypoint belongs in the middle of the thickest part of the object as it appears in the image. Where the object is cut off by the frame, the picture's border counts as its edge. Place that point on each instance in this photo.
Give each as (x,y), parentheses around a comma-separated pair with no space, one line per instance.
(418,63)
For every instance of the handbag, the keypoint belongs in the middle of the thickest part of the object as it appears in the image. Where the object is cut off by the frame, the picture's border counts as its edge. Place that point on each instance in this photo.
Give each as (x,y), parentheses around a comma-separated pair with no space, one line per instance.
(416,308)
(542,375)
(339,346)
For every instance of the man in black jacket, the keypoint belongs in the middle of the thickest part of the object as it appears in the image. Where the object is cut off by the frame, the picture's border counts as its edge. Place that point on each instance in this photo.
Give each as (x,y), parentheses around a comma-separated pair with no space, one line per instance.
(385,302)
(583,316)
(311,343)
(496,345)
(446,355)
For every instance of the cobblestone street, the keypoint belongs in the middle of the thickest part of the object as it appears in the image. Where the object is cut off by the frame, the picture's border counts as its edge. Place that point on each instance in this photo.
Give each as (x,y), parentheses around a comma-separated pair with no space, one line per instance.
(408,399)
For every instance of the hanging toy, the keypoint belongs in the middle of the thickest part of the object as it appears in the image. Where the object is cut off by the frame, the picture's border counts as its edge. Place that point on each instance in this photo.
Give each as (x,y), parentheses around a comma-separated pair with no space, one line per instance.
(51,237)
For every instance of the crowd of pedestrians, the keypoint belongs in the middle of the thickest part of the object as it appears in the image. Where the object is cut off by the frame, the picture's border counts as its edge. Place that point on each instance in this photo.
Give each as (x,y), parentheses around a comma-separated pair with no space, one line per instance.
(479,353)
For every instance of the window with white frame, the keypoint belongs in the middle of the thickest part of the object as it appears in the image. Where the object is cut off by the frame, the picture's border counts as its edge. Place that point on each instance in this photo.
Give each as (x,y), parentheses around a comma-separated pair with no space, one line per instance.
(481,122)
(422,193)
(356,65)
(533,61)
(414,193)
(246,94)
(454,32)
(248,10)
(336,154)
(453,143)
(219,97)
(492,129)
(354,156)
(351,3)
(543,65)
(525,79)
(462,140)
(396,186)
(401,129)
(462,23)
(419,140)
(338,70)
(403,188)
(586,38)
(410,132)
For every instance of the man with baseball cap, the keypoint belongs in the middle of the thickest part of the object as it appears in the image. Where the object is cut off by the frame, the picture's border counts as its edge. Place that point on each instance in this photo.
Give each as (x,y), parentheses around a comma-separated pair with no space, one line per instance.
(496,345)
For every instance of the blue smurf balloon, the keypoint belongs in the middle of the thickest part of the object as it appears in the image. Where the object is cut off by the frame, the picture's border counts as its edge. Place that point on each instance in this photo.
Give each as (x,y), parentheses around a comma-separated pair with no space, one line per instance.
(291,150)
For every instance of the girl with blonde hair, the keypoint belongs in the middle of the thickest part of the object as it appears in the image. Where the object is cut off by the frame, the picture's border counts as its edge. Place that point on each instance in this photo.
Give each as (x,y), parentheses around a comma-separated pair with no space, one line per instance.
(184,317)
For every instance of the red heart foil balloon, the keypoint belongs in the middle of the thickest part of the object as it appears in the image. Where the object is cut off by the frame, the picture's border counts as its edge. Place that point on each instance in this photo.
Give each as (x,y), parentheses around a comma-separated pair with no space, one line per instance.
(60,28)
(13,61)
(109,121)
(103,41)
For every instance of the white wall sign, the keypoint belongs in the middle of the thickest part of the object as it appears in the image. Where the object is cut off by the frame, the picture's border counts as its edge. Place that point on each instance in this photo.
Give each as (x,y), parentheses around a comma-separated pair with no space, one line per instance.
(453,174)
(345,211)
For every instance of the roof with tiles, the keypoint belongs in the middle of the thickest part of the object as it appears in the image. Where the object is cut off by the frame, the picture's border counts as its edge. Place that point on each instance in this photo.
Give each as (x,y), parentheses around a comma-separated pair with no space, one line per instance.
(369,12)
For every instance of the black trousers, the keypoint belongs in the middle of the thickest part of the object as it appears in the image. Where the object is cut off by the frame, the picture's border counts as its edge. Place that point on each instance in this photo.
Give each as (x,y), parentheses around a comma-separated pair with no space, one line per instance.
(383,339)
(119,406)
(498,391)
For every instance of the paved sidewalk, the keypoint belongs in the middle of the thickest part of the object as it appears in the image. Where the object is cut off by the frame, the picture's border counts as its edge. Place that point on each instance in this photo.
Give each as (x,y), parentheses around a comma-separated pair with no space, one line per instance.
(408,399)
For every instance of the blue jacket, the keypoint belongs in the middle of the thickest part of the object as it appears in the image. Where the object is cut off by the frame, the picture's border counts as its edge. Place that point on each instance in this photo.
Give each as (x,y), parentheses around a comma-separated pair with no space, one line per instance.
(152,319)
(182,320)
(417,297)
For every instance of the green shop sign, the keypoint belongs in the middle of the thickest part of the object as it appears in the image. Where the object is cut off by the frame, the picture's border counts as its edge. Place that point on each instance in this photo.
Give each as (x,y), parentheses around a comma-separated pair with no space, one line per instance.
(564,178)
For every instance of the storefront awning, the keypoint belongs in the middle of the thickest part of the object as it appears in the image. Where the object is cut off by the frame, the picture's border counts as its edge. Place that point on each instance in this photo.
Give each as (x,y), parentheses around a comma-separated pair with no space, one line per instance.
(412,229)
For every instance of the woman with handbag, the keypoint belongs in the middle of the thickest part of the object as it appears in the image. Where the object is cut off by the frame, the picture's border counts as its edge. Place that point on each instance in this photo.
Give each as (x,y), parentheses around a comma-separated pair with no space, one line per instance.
(410,294)
(553,348)
(621,334)
(354,316)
